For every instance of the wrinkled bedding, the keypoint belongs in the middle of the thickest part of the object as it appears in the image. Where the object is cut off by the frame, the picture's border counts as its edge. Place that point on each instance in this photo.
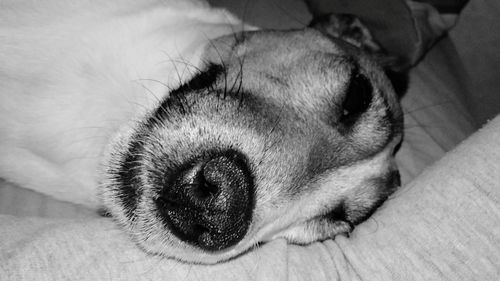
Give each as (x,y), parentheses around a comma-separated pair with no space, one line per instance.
(444,224)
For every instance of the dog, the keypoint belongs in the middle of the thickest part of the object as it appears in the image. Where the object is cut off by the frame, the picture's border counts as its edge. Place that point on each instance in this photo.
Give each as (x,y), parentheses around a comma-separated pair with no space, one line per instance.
(201,136)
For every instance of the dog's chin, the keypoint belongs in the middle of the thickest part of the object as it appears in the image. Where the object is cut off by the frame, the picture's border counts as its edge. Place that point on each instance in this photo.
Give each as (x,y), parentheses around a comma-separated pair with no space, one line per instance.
(312,231)
(318,229)
(165,244)
(340,220)
(191,256)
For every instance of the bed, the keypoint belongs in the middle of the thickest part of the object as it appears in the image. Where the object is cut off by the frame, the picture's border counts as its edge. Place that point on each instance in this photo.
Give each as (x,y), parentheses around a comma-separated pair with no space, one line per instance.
(443,224)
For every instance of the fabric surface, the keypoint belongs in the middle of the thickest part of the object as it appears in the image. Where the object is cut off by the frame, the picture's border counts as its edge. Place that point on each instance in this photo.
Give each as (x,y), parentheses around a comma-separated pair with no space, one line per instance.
(406,29)
(445,225)
(477,37)
(435,109)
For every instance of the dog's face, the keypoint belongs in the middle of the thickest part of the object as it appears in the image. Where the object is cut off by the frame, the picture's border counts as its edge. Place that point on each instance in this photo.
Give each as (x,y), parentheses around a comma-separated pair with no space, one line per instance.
(281,134)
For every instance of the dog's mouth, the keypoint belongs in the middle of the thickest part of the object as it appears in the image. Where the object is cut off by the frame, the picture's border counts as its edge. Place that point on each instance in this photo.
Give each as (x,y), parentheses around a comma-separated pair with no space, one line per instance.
(338,215)
(344,215)
(354,214)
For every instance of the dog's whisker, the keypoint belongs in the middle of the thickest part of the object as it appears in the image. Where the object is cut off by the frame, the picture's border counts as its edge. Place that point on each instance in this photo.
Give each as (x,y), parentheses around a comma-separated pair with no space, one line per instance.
(151,93)
(221,61)
(183,61)
(155,80)
(174,64)
(268,145)
(239,77)
(147,110)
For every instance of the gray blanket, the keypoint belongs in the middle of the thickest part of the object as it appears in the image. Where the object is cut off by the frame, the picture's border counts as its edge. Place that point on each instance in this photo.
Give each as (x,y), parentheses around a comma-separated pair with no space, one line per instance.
(444,225)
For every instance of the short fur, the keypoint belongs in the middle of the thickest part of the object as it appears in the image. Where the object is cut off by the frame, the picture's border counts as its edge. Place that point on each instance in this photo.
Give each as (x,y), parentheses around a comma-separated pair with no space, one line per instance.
(115,94)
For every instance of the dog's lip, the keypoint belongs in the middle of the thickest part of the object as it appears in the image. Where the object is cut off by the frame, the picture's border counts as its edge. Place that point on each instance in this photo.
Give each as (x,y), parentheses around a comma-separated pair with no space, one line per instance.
(332,219)
(337,213)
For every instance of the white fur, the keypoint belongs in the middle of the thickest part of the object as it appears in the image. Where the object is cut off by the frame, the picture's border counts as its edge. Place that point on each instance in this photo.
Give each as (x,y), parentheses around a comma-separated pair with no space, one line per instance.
(73,72)
(347,182)
(76,76)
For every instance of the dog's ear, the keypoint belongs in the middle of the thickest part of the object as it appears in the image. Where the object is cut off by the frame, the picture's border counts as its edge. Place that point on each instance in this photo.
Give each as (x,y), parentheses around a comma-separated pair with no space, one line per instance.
(350,29)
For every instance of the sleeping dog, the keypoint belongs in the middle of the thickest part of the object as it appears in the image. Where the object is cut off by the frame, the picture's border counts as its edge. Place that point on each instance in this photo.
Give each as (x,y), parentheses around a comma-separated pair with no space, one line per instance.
(201,136)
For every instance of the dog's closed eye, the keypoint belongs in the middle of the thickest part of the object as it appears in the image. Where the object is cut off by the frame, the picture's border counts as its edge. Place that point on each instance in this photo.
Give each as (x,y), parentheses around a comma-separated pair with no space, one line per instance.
(357,99)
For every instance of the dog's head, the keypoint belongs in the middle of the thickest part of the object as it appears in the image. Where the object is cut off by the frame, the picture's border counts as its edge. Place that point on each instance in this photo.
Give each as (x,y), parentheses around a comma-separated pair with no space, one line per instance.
(280,134)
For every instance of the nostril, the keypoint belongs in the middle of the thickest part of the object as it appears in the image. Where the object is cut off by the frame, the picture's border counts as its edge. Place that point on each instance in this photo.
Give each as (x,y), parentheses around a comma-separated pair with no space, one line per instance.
(208,189)
(209,201)
(202,187)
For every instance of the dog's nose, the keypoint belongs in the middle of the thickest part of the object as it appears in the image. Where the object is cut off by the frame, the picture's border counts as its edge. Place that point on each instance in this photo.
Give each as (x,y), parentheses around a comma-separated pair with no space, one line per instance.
(209,202)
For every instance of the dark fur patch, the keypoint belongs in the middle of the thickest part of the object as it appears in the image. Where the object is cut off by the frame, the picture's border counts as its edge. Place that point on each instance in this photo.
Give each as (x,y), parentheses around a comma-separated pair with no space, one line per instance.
(202,80)
(128,191)
(177,102)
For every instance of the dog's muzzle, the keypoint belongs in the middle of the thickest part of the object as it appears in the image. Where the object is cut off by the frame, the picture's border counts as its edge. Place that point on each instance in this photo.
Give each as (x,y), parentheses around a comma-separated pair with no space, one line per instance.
(208,202)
